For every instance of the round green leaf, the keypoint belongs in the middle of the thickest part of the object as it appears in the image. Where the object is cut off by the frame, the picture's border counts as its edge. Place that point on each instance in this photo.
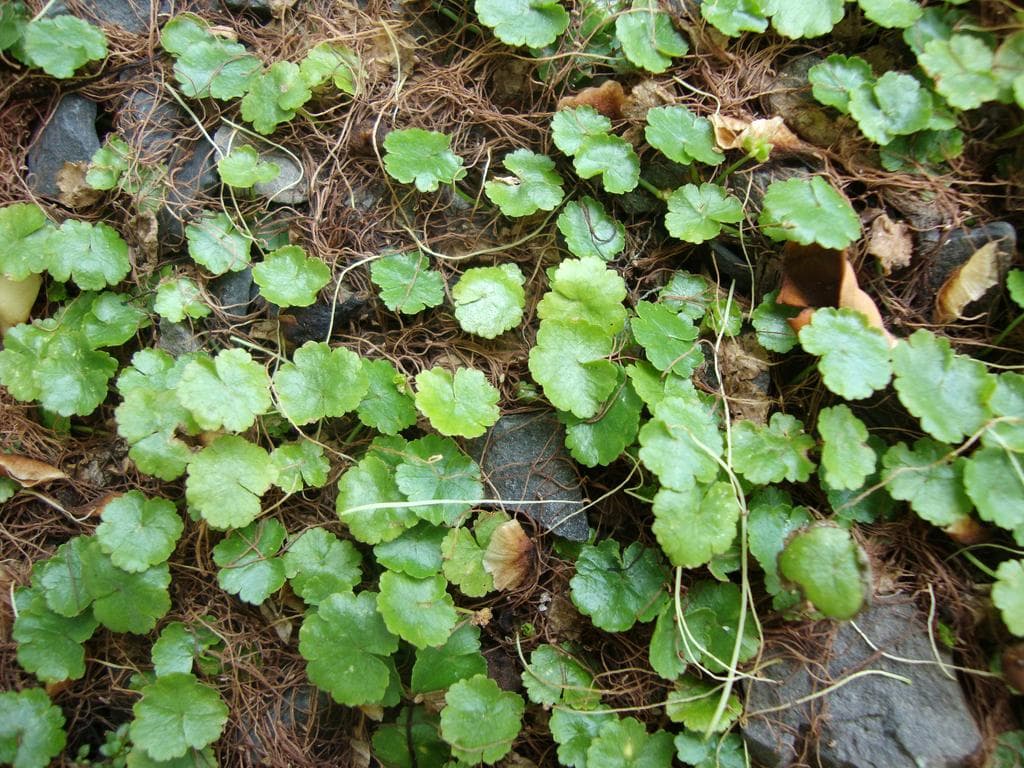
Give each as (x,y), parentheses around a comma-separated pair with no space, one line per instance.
(570,362)
(216,244)
(274,96)
(300,465)
(179,298)
(585,291)
(712,615)
(320,383)
(122,601)
(694,525)
(464,404)
(371,483)
(610,157)
(59,45)
(177,713)
(808,211)
(930,478)
(854,354)
(554,676)
(846,458)
(138,532)
(228,391)
(895,105)
(962,69)
(648,38)
(471,703)
(830,568)
(617,590)
(681,442)
(406,282)
(23,230)
(533,23)
(387,405)
(537,186)
(1008,594)
(601,440)
(435,468)
(318,564)
(242,168)
(423,157)
(92,255)
(289,278)
(226,480)
(416,553)
(437,669)
(420,611)
(489,300)
(805,18)
(837,77)
(589,230)
(993,481)
(682,136)
(627,744)
(248,564)
(772,453)
(570,127)
(49,645)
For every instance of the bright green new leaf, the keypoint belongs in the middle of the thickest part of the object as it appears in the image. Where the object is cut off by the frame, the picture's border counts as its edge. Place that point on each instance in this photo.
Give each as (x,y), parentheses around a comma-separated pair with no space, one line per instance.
(23,232)
(571,127)
(992,478)
(589,230)
(216,244)
(610,157)
(687,294)
(930,478)
(242,168)
(693,703)
(489,300)
(138,532)
(300,465)
(8,488)
(727,752)
(274,96)
(406,282)
(585,291)
(122,601)
(666,649)
(469,704)
(320,382)
(435,468)
(331,62)
(179,646)
(533,23)
(1014,284)
(891,14)
(733,17)
(318,564)
(682,136)
(648,38)
(846,458)
(177,713)
(437,669)
(962,67)
(105,319)
(618,589)
(420,611)
(226,480)
(575,731)
(696,214)
(179,298)
(248,564)
(670,341)
(682,442)
(1008,594)
(49,645)
(555,676)
(372,482)
(854,354)
(772,453)
(59,45)
(1007,403)
(464,404)
(387,405)
(424,157)
(228,391)
(59,577)
(537,186)
(804,18)
(627,744)
(895,105)
(829,567)
(206,64)
(947,392)
(712,614)
(346,644)
(416,553)
(695,524)
(31,729)
(570,362)
(288,277)
(769,320)
(600,440)
(808,211)
(837,77)
(108,163)
(92,255)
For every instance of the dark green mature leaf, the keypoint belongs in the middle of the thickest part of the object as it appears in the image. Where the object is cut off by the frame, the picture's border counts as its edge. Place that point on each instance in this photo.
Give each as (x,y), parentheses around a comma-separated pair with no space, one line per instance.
(346,644)
(412,741)
(695,524)
(180,646)
(420,611)
(215,243)
(947,392)
(602,439)
(471,703)
(248,564)
(575,731)
(682,136)
(772,453)
(666,651)
(13,18)
(388,405)
(416,553)
(808,211)
(300,465)
(627,744)
(570,361)
(437,669)
(693,702)
(733,17)
(846,458)
(1008,594)
(177,713)
(854,354)
(371,482)
(138,532)
(617,590)
(122,601)
(320,383)
(682,442)
(712,614)
(60,578)
(226,480)
(769,320)
(727,752)
(571,127)
(555,676)
(589,230)
(648,38)
(962,67)
(771,519)
(806,18)
(92,255)
(995,483)
(318,564)
(31,728)
(895,105)
(829,567)
(669,340)
(931,478)
(435,468)
(49,645)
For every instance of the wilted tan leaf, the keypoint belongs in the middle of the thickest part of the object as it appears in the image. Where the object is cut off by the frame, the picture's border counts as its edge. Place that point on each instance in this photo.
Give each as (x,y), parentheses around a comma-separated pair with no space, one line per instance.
(28,472)
(16,300)
(507,557)
(890,242)
(75,192)
(969,283)
(739,133)
(607,98)
(967,531)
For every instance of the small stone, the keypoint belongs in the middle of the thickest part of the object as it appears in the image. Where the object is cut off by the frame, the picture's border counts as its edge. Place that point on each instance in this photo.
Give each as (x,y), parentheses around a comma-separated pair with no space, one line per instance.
(192,172)
(177,339)
(69,136)
(523,456)
(234,292)
(150,124)
(871,722)
(131,15)
(289,187)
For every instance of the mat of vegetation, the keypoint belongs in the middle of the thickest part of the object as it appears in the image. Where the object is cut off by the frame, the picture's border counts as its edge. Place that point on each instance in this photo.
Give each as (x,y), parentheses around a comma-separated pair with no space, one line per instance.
(444,383)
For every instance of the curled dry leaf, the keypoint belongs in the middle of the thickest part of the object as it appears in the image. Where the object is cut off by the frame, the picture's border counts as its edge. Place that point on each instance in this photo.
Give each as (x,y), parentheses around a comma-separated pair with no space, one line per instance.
(979,274)
(28,472)
(75,192)
(607,98)
(814,277)
(507,557)
(16,300)
(967,531)
(890,242)
(741,133)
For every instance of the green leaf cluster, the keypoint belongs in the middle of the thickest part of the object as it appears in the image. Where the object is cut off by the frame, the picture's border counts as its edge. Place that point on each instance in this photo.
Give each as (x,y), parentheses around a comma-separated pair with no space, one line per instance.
(584,134)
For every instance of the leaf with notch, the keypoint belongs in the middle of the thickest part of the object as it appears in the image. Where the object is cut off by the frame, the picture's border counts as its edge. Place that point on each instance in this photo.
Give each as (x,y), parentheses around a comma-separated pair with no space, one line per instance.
(665,652)
(570,362)
(92,255)
(387,405)
(59,45)
(589,230)
(179,298)
(406,282)
(626,743)
(571,127)
(696,214)
(31,728)
(424,157)
(600,440)
(248,563)
(618,589)
(575,731)
(180,645)
(138,532)
(930,479)
(300,465)
(318,564)
(533,23)
(846,458)
(288,277)
(332,62)
(895,105)
(712,613)
(585,291)
(242,168)
(854,354)
(226,480)
(681,442)
(693,702)
(59,577)
(804,18)
(962,67)
(489,300)
(175,714)
(537,185)
(834,80)
(732,17)
(682,136)
(49,645)
(669,340)
(229,391)
(891,14)
(464,404)
(769,320)
(771,519)
(274,96)
(468,704)
(648,38)
(216,244)
(695,524)
(320,383)
(122,601)
(808,211)
(610,157)
(416,553)
(13,18)
(372,482)
(435,468)
(420,611)
(437,669)
(992,479)
(555,676)
(772,453)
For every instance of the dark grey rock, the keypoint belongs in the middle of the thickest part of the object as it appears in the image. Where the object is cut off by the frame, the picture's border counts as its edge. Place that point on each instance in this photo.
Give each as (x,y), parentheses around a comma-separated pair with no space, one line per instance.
(192,172)
(234,292)
(523,457)
(177,339)
(150,124)
(960,245)
(69,136)
(289,187)
(260,6)
(131,15)
(873,721)
(312,323)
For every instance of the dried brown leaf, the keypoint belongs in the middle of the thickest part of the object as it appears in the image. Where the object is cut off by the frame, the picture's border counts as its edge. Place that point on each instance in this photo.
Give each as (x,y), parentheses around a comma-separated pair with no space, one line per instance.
(741,133)
(28,472)
(75,192)
(890,242)
(968,283)
(607,98)
(507,557)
